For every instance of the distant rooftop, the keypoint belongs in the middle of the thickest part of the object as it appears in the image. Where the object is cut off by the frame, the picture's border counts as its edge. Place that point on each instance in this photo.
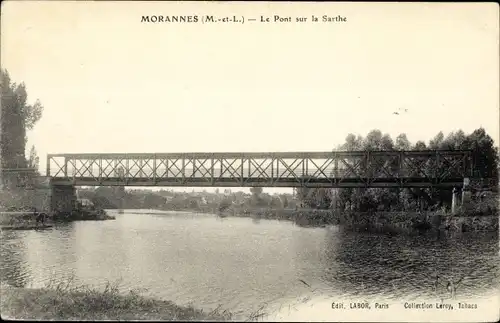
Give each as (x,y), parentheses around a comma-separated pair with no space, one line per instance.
(85,201)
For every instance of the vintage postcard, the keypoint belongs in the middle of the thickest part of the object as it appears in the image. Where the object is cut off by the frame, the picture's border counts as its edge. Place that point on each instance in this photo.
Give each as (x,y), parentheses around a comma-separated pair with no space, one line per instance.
(249,161)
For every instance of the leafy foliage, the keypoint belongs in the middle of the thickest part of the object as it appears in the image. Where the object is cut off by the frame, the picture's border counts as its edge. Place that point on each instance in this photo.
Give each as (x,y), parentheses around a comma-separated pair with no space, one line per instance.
(33,159)
(484,152)
(17,116)
(256,190)
(225,204)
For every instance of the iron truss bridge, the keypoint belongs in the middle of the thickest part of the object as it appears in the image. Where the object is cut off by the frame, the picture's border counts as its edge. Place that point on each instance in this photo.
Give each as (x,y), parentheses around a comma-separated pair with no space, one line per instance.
(285,169)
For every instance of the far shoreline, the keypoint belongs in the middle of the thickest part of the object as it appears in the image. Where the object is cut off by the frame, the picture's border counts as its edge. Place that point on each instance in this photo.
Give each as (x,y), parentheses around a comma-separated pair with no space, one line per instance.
(386,222)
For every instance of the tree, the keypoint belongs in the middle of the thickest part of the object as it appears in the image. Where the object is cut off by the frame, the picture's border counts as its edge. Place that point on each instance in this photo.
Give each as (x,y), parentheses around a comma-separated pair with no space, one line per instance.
(284,200)
(256,196)
(455,141)
(193,204)
(420,145)
(152,200)
(372,140)
(33,160)
(484,154)
(276,202)
(224,204)
(322,198)
(17,116)
(386,142)
(436,142)
(256,191)
(352,143)
(303,195)
(402,142)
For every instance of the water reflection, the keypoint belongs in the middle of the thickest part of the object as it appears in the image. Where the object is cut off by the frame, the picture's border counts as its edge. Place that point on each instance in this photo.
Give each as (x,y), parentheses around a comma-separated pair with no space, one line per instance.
(202,260)
(16,271)
(398,266)
(43,250)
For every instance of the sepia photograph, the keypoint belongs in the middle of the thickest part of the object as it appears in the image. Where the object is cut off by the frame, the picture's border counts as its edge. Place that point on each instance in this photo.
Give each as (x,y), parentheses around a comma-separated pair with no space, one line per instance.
(249,161)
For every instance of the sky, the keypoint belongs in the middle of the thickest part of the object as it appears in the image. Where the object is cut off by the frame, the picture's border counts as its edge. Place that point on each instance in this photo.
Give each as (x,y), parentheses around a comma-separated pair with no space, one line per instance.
(110,83)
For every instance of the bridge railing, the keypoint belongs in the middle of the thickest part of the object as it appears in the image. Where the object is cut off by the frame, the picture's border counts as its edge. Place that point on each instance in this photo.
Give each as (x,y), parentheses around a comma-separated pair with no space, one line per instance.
(247,173)
(190,172)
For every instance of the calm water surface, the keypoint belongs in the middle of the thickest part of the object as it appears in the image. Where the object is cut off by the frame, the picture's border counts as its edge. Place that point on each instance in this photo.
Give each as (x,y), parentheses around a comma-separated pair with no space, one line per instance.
(244,264)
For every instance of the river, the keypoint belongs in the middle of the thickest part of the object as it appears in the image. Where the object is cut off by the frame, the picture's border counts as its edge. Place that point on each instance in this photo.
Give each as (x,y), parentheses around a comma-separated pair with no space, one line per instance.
(245,264)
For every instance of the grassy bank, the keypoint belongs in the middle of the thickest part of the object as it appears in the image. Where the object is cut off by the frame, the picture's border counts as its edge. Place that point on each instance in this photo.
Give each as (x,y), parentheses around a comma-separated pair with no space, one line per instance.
(83,303)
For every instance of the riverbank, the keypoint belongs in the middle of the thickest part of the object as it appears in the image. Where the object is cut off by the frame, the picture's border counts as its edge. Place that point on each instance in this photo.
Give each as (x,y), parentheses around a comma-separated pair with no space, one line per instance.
(63,303)
(396,222)
(27,220)
(19,210)
(402,222)
(83,215)
(195,255)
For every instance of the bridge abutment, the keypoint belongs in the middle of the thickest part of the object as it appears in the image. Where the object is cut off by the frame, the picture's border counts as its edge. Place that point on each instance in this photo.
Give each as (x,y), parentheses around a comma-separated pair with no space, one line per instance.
(62,199)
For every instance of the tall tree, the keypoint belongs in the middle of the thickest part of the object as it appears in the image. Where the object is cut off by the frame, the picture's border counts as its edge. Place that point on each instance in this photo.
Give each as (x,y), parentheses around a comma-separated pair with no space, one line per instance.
(436,142)
(33,159)
(17,116)
(484,154)
(402,142)
(420,145)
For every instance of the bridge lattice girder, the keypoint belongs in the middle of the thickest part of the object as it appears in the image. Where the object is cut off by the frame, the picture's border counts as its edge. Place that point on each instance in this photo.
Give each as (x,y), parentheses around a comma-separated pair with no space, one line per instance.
(290,169)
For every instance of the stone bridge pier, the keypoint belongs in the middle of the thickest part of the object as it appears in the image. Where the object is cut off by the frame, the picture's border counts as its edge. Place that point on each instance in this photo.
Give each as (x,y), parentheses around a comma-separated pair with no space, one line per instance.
(62,199)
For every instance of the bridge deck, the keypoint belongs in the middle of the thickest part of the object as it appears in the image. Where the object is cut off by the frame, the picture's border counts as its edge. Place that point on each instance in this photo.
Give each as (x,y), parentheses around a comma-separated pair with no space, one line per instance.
(247,182)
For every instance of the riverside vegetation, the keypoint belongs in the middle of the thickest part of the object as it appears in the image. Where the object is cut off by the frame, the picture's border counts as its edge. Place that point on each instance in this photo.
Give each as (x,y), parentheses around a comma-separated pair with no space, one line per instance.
(416,208)
(372,209)
(62,302)
(18,117)
(18,190)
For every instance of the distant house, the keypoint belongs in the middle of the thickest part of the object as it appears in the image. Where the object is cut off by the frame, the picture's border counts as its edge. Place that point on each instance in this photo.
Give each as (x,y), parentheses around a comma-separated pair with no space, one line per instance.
(85,202)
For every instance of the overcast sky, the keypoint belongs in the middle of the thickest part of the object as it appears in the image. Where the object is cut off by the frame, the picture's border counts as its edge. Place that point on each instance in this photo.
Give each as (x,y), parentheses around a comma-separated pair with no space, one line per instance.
(110,83)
